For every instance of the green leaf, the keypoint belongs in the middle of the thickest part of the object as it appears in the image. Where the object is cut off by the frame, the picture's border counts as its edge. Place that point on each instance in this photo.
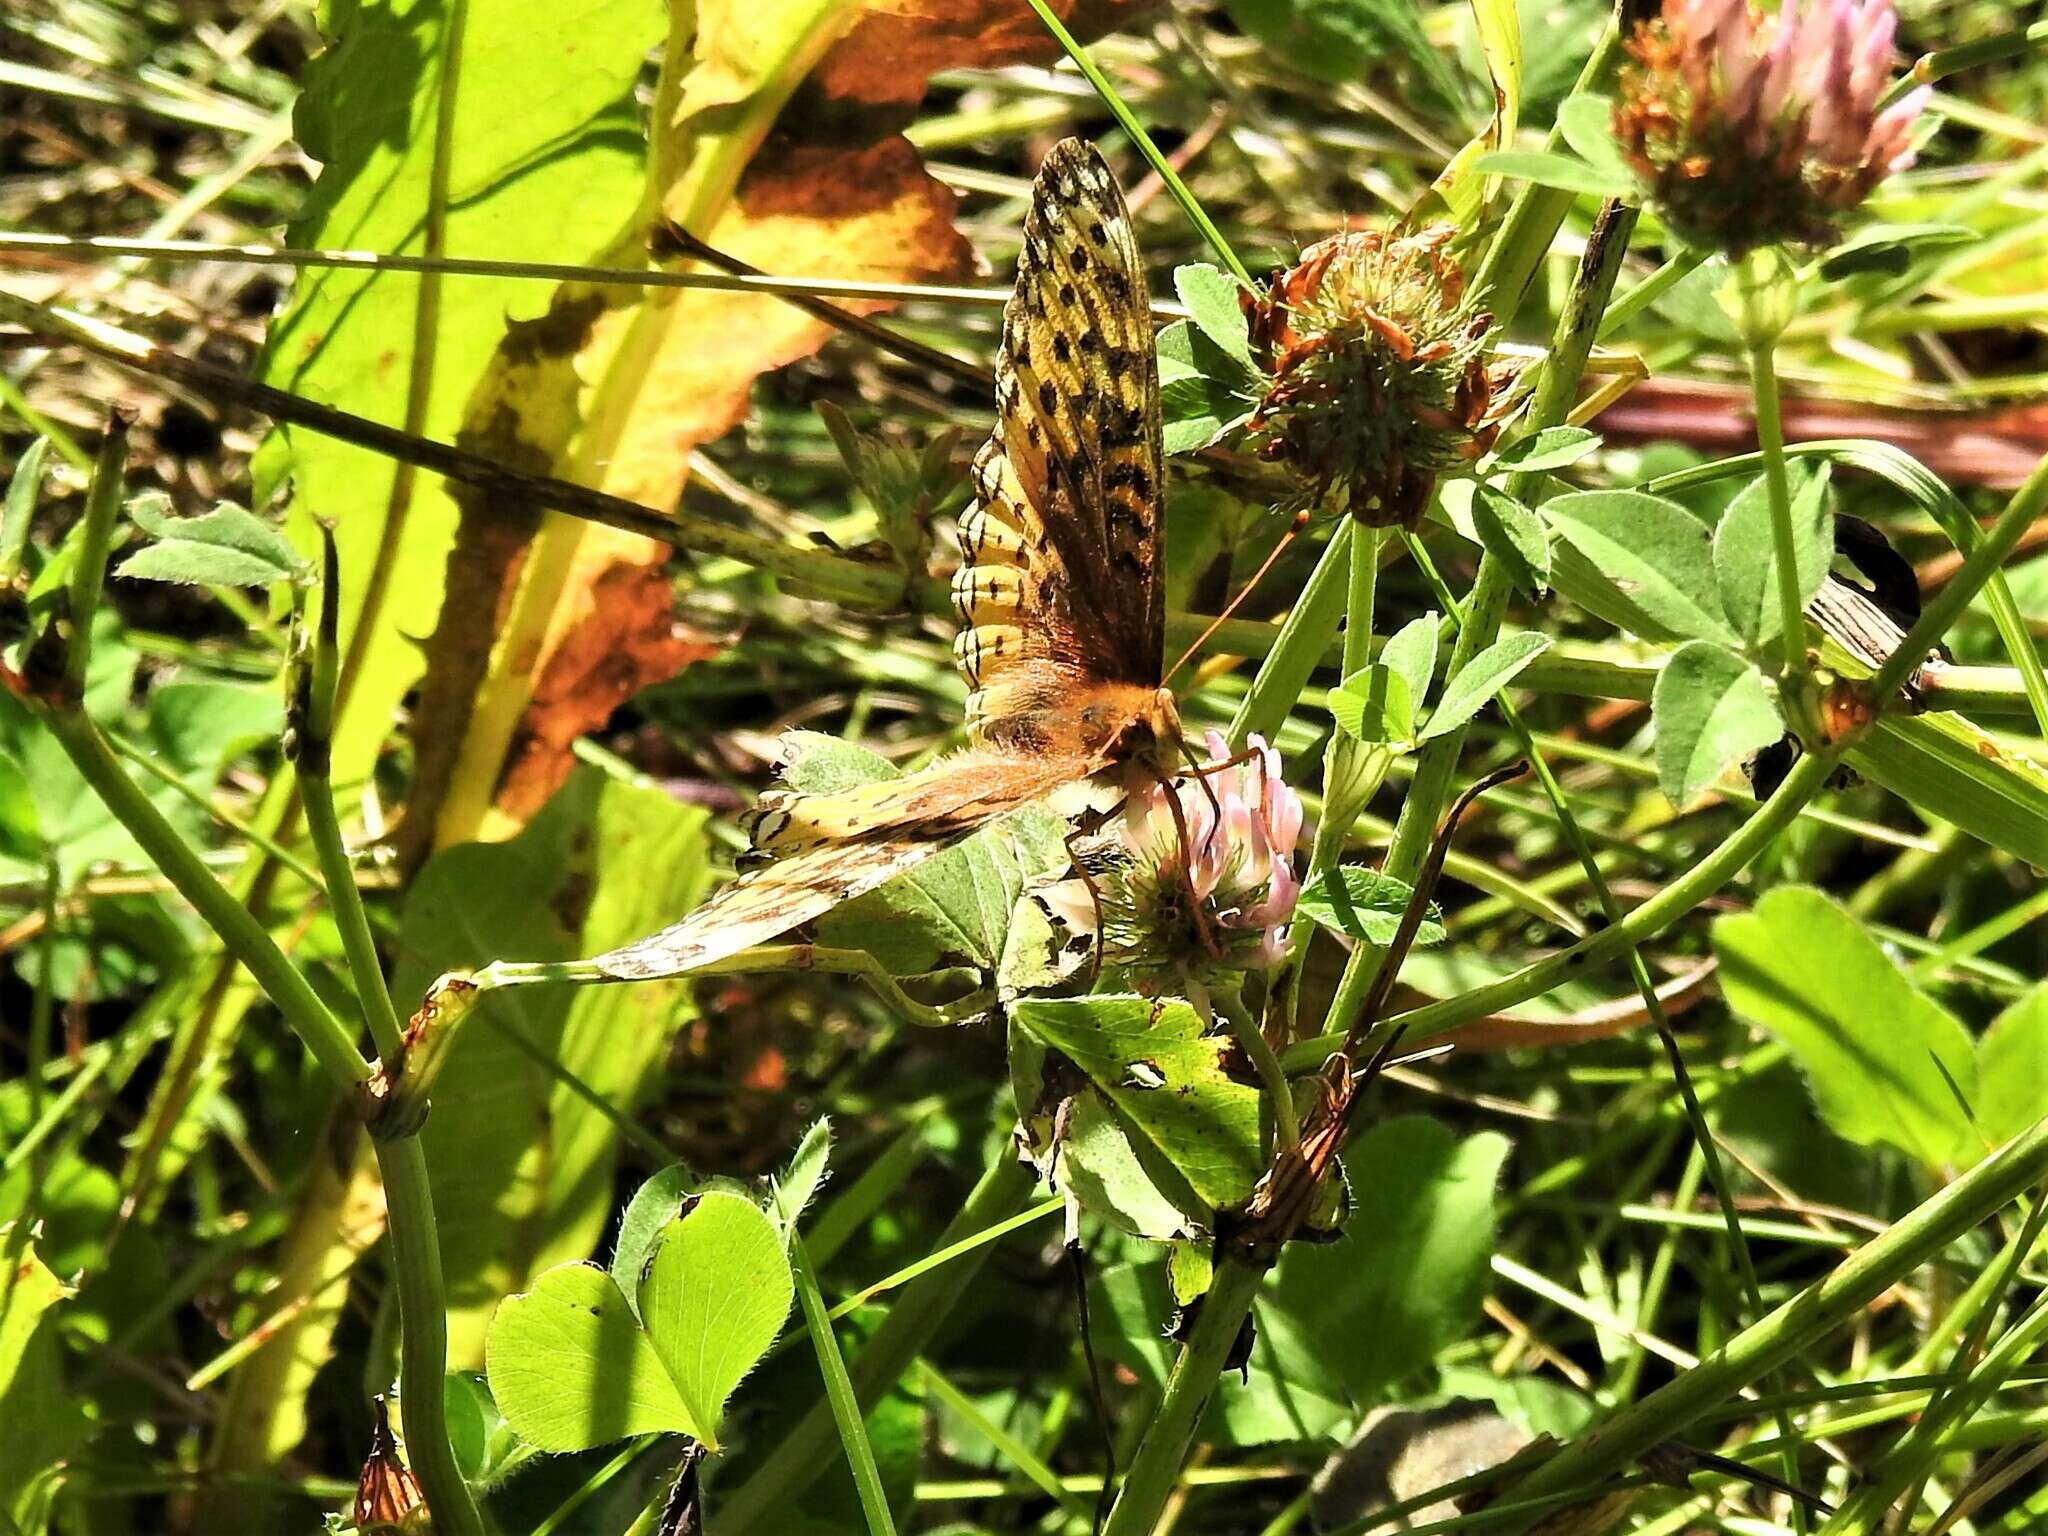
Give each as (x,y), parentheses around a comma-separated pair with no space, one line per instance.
(522,1177)
(1878,1053)
(1365,904)
(1547,168)
(1551,448)
(654,1205)
(1211,295)
(24,488)
(1890,248)
(1411,654)
(543,159)
(1098,1165)
(1652,555)
(571,1368)
(1946,766)
(1408,1275)
(1373,704)
(715,1296)
(1203,391)
(955,908)
(1481,678)
(2012,1068)
(45,1419)
(227,547)
(1710,709)
(804,1177)
(1154,1063)
(1515,536)
(1586,122)
(1746,553)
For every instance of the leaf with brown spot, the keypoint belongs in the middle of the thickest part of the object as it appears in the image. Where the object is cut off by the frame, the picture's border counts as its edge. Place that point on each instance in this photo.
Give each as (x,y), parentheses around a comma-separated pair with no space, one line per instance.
(614,388)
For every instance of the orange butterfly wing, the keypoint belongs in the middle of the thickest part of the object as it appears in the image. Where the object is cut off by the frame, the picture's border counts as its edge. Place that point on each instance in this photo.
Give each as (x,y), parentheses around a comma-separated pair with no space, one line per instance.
(1061,594)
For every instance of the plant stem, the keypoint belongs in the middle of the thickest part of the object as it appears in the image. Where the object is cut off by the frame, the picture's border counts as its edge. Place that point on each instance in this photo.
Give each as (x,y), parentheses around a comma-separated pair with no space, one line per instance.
(1156,1467)
(1537,211)
(1776,1338)
(313,754)
(917,1314)
(414,1241)
(95,537)
(1808,776)
(846,1412)
(1651,289)
(1305,634)
(1244,1029)
(324,1035)
(1770,435)
(423,1321)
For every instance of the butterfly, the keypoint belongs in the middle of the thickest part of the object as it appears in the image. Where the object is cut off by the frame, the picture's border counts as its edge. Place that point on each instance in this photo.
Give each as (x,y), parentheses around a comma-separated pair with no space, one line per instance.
(1061,593)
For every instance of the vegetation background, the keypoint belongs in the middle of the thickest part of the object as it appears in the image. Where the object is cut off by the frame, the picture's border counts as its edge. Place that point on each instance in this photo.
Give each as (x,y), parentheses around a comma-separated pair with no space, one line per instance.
(543,726)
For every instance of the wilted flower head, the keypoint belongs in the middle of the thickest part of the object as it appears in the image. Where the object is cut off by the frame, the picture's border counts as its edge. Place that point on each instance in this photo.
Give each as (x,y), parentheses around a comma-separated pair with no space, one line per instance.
(1379,380)
(1242,823)
(1752,129)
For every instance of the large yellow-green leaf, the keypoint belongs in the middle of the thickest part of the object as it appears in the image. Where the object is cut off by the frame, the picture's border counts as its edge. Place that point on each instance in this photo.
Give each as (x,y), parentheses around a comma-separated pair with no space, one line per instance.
(522,1164)
(1949,767)
(613,388)
(1885,1061)
(492,128)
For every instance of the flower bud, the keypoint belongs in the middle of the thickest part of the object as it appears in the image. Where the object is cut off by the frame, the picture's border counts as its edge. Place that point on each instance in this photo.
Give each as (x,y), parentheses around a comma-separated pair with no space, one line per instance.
(1379,379)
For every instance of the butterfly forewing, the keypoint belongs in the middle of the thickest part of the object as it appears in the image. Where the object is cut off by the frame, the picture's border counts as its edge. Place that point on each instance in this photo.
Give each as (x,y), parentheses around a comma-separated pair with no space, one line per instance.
(1061,593)
(1062,567)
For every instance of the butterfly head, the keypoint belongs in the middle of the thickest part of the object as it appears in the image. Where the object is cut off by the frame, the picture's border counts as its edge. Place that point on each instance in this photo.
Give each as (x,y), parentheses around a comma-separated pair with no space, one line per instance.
(1128,722)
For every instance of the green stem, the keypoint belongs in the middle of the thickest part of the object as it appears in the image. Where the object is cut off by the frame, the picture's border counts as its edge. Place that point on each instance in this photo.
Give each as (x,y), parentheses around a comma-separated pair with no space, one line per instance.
(1778,1337)
(1651,289)
(1310,626)
(95,538)
(423,1320)
(1154,1470)
(324,1035)
(846,1412)
(2026,505)
(414,1241)
(1537,212)
(1244,1029)
(1939,65)
(1808,776)
(760,1503)
(1770,434)
(1128,119)
(313,752)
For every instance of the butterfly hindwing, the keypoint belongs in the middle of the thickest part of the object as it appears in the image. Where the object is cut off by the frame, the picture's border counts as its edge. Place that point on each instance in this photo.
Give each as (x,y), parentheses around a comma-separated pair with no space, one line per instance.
(831,848)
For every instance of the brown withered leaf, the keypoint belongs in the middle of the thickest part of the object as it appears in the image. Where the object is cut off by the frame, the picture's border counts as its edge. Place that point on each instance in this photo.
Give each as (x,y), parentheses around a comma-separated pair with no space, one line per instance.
(891,53)
(562,621)
(577,618)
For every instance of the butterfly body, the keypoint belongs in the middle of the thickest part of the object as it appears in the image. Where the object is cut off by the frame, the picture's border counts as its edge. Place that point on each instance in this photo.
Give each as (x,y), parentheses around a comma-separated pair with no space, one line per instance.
(1060,593)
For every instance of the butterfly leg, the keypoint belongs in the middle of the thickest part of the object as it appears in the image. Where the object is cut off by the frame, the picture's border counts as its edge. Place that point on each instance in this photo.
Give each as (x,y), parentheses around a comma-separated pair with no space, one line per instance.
(1094,900)
(1209,943)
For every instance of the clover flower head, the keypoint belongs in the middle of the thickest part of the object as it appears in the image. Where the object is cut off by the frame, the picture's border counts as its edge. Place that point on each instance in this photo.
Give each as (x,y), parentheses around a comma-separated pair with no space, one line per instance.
(1752,129)
(1379,378)
(1236,861)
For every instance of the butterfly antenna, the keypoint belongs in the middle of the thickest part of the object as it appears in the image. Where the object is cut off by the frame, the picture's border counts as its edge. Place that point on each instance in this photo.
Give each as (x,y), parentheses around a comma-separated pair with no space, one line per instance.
(670,239)
(1294,532)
